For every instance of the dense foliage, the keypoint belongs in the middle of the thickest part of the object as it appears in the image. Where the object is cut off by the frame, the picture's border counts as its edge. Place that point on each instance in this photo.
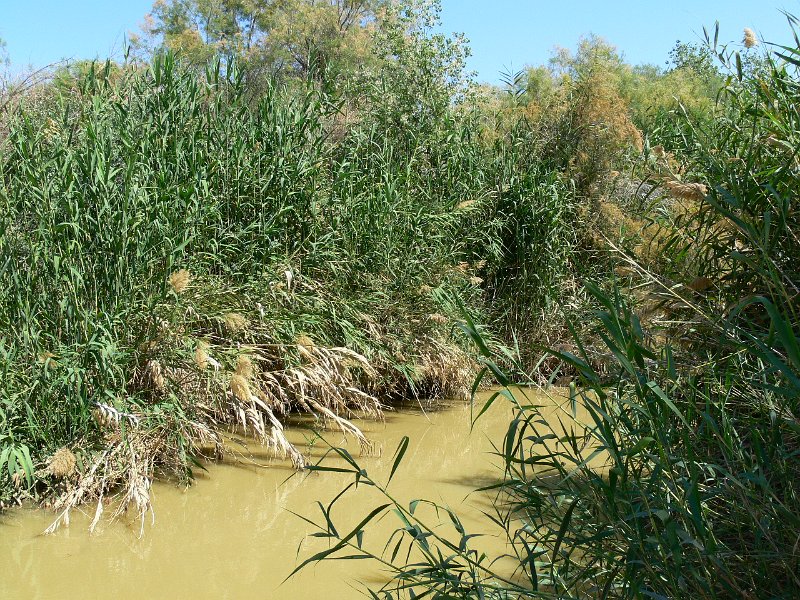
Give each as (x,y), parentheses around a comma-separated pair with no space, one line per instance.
(181,254)
(272,213)
(671,467)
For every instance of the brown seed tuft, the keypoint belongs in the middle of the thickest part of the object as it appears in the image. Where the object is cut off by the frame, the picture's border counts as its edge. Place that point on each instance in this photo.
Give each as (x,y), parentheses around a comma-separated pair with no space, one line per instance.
(179,280)
(773,141)
(475,280)
(305,341)
(148,346)
(438,318)
(155,374)
(240,387)
(623,271)
(62,464)
(465,204)
(48,359)
(700,284)
(687,191)
(101,417)
(201,356)
(234,322)
(750,39)
(244,366)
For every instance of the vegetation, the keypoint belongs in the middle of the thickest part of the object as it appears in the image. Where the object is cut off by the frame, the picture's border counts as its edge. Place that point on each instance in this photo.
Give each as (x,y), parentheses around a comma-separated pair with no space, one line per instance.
(253,215)
(673,469)
(180,256)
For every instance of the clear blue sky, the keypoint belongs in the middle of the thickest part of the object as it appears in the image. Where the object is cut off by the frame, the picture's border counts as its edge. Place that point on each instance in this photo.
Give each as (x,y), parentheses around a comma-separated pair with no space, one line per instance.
(504,34)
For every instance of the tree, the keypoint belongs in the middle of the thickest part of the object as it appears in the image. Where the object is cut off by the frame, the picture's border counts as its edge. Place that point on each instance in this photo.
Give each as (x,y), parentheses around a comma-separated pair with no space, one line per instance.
(279,37)
(594,55)
(384,57)
(417,74)
(696,60)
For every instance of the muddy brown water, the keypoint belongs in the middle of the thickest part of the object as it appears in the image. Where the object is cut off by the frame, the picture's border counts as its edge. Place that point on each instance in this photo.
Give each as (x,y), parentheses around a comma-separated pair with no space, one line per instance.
(233,535)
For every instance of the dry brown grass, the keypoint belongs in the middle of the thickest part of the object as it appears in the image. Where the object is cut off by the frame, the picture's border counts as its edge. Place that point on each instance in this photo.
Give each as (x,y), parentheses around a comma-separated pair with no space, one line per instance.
(254,383)
(445,371)
(61,464)
(122,474)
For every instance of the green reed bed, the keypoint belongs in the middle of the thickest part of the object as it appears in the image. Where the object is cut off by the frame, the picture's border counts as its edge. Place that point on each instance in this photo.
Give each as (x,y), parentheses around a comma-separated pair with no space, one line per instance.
(671,470)
(178,257)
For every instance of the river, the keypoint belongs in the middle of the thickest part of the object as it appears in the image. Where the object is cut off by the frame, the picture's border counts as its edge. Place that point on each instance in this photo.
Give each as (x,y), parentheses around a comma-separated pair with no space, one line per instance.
(232,534)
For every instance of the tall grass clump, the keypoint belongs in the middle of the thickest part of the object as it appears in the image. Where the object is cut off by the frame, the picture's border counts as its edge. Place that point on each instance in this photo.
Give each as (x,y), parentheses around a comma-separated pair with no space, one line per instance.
(180,255)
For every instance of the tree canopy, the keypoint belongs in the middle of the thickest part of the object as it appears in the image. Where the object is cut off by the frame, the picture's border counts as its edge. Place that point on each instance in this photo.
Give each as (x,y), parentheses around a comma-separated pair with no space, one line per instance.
(279,37)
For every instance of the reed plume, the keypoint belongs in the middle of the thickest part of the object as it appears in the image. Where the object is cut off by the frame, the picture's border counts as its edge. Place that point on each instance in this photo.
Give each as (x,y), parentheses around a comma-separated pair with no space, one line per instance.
(244,366)
(155,373)
(750,39)
(240,388)
(201,355)
(304,341)
(179,281)
(686,191)
(234,322)
(62,463)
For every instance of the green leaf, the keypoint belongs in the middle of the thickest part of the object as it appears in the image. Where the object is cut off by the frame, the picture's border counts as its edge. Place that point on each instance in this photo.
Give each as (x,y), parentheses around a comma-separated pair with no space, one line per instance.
(398,456)
(563,529)
(663,397)
(342,543)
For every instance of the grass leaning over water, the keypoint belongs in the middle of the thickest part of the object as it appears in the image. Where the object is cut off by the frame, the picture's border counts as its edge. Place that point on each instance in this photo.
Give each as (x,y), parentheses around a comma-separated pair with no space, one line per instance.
(179,257)
(694,414)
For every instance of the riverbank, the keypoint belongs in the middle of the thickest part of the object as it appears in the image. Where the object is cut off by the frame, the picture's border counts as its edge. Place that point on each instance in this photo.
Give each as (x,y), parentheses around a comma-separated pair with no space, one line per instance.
(157,290)
(232,535)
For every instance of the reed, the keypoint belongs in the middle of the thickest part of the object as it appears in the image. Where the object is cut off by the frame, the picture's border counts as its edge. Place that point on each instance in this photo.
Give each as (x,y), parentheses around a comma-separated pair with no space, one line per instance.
(161,226)
(672,471)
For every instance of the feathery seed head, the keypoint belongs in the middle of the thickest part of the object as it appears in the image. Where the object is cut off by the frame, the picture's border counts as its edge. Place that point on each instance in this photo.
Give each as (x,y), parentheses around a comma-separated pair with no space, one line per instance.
(465,204)
(61,464)
(49,359)
(155,374)
(305,341)
(240,387)
(750,39)
(201,356)
(772,140)
(179,280)
(687,191)
(244,366)
(700,284)
(234,322)
(102,417)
